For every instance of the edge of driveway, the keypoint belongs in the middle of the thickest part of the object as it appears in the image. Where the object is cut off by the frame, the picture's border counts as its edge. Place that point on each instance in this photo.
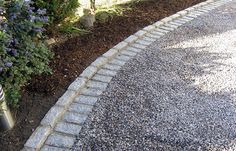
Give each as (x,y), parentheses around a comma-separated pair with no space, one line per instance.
(87,88)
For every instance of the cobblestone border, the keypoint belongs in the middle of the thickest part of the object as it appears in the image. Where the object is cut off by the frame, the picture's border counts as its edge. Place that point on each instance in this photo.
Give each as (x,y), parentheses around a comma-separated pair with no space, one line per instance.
(60,127)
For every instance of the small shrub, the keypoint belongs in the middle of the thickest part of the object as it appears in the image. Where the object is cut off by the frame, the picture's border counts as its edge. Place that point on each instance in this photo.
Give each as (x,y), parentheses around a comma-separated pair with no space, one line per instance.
(58,10)
(22,51)
(105,14)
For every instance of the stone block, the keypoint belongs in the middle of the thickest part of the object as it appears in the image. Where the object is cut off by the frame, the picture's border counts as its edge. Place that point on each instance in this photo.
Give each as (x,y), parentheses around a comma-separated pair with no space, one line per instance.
(53,115)
(66,98)
(59,140)
(68,128)
(78,84)
(90,100)
(75,118)
(38,137)
(80,108)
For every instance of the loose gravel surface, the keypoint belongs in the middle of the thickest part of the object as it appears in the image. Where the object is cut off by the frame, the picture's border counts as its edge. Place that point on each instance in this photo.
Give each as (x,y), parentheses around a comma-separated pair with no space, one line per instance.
(179,94)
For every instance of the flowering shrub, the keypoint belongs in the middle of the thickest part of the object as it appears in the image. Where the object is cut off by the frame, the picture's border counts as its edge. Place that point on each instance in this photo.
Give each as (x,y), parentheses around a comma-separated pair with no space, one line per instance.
(22,51)
(58,10)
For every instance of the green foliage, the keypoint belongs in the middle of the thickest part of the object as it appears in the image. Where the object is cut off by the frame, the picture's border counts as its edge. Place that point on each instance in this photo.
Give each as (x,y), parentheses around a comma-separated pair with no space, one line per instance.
(105,14)
(58,10)
(69,28)
(22,51)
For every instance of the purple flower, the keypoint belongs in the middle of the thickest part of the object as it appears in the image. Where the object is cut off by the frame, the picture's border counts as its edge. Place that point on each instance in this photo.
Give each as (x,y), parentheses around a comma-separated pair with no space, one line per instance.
(44,19)
(14,42)
(1,10)
(38,29)
(13,17)
(27,2)
(41,11)
(13,52)
(32,18)
(8,64)
(30,11)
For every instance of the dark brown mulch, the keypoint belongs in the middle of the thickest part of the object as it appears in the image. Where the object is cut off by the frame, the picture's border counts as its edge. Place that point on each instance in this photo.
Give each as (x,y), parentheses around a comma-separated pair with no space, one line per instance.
(72,57)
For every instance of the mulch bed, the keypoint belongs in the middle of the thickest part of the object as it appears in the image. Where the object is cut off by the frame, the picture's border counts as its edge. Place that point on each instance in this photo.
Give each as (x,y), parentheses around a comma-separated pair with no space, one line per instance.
(72,57)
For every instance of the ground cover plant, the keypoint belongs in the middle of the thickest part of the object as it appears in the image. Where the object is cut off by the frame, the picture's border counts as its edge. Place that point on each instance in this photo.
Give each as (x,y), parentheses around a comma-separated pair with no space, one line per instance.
(58,10)
(23,53)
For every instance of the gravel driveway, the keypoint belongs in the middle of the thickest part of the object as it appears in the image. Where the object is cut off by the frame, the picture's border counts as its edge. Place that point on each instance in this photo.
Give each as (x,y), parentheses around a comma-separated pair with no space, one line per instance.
(179,94)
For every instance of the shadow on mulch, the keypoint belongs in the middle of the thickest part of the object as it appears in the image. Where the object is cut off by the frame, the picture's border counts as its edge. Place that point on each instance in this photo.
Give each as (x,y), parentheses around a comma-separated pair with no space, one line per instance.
(72,57)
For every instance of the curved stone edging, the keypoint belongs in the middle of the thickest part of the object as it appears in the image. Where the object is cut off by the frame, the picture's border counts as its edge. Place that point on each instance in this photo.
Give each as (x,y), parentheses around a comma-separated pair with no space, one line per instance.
(62,123)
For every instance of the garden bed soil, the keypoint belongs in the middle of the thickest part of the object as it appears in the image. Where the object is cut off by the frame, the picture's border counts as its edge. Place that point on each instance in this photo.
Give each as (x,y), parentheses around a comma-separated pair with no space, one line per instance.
(72,57)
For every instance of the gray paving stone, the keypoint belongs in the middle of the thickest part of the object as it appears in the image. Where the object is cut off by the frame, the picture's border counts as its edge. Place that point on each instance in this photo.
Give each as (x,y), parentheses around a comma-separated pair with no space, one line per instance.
(149,39)
(100,61)
(68,128)
(90,100)
(80,108)
(157,33)
(182,13)
(189,9)
(52,148)
(112,66)
(174,23)
(59,140)
(131,39)
(186,20)
(129,53)
(167,28)
(162,30)
(110,53)
(172,26)
(66,98)
(76,118)
(53,115)
(175,16)
(78,84)
(136,45)
(97,85)
(199,12)
(202,10)
(120,45)
(210,6)
(133,49)
(140,33)
(117,62)
(122,57)
(191,15)
(143,42)
(103,78)
(188,17)
(158,23)
(38,137)
(107,72)
(89,72)
(216,4)
(205,8)
(153,35)
(180,21)
(91,92)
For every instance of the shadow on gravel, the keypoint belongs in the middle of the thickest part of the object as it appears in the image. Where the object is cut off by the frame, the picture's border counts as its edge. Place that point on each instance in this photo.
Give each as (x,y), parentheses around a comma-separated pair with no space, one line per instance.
(179,95)
(198,103)
(171,97)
